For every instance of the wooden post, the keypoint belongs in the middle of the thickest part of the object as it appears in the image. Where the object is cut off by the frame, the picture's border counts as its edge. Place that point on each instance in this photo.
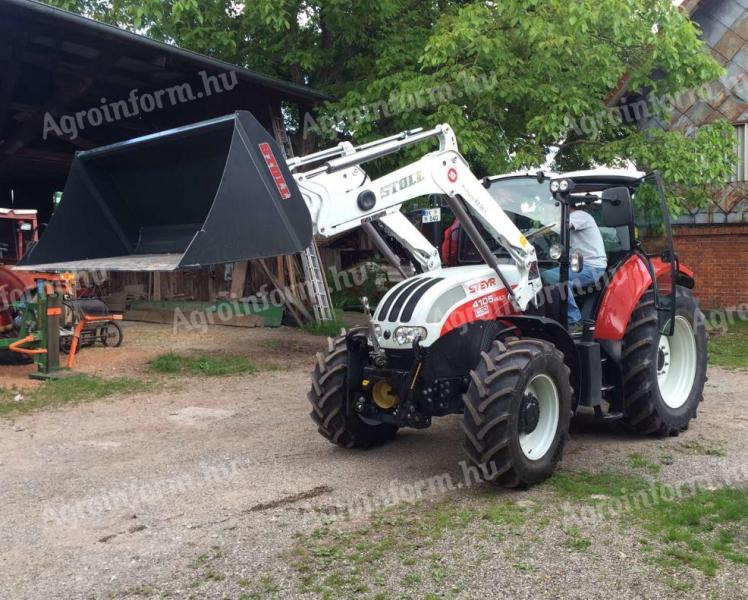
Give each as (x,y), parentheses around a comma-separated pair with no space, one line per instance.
(279,270)
(239,279)
(157,285)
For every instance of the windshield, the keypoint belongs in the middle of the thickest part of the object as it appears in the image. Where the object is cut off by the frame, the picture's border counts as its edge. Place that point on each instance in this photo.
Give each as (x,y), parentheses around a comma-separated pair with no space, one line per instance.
(533,210)
(528,203)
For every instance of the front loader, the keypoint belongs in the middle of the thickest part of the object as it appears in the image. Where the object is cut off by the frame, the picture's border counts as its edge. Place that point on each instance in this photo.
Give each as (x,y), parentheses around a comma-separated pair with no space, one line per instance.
(487,340)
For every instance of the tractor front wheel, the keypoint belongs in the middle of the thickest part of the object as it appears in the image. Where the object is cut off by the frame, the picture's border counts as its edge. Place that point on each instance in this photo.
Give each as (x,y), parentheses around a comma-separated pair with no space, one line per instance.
(517,412)
(664,376)
(329,396)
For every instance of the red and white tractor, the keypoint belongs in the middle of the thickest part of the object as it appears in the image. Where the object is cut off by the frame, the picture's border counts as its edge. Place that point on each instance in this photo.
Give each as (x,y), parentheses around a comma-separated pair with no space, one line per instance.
(487,341)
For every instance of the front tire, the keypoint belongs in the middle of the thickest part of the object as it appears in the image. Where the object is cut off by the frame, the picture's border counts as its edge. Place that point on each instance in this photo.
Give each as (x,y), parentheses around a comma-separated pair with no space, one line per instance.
(664,377)
(517,412)
(328,398)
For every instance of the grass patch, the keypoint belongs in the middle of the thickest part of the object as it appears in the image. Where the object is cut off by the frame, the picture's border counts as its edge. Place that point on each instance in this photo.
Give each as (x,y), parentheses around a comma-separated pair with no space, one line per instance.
(66,391)
(697,528)
(264,587)
(207,365)
(327,328)
(398,542)
(730,349)
(590,486)
(575,541)
(639,461)
(701,529)
(702,447)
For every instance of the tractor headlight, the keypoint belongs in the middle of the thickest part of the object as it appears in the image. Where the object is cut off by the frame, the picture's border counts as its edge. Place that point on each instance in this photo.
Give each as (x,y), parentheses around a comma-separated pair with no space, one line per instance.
(564,186)
(408,335)
(378,331)
(556,251)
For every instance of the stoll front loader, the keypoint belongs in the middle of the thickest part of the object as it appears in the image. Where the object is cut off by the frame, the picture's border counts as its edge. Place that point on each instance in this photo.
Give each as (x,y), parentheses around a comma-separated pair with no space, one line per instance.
(485,341)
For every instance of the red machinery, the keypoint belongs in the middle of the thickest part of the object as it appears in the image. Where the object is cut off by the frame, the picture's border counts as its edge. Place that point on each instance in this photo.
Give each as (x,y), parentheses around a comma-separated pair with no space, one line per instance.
(18,231)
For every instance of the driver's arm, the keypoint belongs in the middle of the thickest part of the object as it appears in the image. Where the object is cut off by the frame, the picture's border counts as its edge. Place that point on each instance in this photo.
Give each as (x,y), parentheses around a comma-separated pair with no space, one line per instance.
(579,220)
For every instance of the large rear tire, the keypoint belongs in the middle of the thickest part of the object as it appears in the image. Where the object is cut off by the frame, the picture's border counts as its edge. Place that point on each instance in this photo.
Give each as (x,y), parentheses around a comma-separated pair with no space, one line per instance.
(328,398)
(517,412)
(664,377)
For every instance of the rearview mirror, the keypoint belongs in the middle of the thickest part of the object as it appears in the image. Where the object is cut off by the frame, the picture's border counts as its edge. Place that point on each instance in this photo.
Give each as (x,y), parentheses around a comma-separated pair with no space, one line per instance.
(617,209)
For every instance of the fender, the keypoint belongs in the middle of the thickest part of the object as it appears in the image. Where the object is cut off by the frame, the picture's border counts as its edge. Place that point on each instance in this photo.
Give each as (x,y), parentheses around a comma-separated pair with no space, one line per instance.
(627,286)
(552,331)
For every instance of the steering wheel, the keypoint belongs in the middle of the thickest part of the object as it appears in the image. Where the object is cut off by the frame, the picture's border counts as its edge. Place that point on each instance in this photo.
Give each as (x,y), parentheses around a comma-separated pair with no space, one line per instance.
(540,231)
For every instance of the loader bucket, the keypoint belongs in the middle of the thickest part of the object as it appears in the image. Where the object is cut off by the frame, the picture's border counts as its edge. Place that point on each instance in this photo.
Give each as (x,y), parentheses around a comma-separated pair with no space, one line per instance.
(209,193)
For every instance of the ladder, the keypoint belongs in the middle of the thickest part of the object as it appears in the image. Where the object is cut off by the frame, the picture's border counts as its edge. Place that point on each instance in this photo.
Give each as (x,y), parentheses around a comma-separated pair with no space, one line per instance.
(320,292)
(310,259)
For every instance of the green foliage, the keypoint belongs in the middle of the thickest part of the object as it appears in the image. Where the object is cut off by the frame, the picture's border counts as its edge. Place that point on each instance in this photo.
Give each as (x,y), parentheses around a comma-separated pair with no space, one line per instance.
(207,365)
(371,281)
(65,391)
(515,78)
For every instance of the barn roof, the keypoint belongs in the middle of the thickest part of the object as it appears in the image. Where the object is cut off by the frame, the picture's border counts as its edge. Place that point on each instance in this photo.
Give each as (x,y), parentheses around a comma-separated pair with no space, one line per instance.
(55,63)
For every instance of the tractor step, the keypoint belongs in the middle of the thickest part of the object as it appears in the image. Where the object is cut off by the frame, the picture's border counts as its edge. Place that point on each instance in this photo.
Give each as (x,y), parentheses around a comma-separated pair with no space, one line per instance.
(608,416)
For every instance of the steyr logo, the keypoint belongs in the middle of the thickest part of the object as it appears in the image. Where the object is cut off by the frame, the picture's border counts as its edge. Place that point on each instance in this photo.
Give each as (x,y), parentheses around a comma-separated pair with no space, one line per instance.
(473,287)
(402,184)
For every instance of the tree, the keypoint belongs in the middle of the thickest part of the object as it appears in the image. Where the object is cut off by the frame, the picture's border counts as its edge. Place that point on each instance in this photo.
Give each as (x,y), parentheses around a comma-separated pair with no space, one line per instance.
(516,79)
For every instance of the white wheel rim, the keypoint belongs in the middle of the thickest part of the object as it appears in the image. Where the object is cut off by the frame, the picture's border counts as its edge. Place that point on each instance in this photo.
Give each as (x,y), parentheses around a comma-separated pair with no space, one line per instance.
(676,364)
(536,443)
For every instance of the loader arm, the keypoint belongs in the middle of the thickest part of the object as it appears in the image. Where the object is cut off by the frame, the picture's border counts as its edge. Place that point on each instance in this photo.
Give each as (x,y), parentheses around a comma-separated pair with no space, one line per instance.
(220,192)
(340,197)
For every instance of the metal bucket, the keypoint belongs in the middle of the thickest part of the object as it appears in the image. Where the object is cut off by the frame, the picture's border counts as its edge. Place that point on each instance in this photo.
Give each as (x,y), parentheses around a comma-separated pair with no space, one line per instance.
(209,193)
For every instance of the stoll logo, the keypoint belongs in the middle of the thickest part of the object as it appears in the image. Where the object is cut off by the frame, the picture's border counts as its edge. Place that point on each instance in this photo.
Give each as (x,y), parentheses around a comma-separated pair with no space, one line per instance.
(402,184)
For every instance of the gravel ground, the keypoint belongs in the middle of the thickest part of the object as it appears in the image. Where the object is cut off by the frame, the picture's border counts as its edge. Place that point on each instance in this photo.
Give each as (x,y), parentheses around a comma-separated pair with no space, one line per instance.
(222,488)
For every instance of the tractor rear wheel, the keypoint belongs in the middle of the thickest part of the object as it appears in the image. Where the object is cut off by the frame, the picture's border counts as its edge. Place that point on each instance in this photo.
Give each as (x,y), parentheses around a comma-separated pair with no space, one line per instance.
(517,412)
(664,376)
(328,398)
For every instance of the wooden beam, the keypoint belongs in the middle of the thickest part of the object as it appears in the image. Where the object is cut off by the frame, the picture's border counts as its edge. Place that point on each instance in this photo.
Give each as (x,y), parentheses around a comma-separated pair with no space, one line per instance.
(294,306)
(239,279)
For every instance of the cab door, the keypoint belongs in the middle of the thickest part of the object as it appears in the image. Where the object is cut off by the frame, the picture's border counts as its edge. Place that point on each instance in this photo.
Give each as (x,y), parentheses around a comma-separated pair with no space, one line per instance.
(655,237)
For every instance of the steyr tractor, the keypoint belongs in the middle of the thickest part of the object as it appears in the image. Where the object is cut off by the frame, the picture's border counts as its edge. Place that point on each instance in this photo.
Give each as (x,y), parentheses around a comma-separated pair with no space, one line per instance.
(487,340)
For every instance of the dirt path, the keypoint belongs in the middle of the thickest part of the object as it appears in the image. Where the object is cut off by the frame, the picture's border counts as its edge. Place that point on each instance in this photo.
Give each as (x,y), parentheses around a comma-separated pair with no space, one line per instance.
(202,487)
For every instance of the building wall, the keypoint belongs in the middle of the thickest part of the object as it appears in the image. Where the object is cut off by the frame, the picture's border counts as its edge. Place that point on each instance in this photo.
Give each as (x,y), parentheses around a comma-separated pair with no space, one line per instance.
(717,254)
(713,240)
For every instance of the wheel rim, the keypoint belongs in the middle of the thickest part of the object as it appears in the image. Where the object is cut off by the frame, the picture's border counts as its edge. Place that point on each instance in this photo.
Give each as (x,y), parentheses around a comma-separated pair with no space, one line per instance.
(676,364)
(536,442)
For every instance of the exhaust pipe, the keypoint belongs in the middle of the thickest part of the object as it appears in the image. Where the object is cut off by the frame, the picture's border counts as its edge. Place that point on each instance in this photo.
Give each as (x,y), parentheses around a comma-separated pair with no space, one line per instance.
(208,193)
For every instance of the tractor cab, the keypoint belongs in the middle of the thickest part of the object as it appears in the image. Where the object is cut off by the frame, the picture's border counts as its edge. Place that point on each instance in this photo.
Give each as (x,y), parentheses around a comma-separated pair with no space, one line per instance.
(628,207)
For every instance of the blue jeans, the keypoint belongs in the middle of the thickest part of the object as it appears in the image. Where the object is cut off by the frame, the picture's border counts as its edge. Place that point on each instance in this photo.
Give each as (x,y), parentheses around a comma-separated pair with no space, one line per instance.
(587,276)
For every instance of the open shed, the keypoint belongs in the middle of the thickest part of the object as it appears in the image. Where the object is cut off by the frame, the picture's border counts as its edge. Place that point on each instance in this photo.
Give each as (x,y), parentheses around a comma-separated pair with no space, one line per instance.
(69,83)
